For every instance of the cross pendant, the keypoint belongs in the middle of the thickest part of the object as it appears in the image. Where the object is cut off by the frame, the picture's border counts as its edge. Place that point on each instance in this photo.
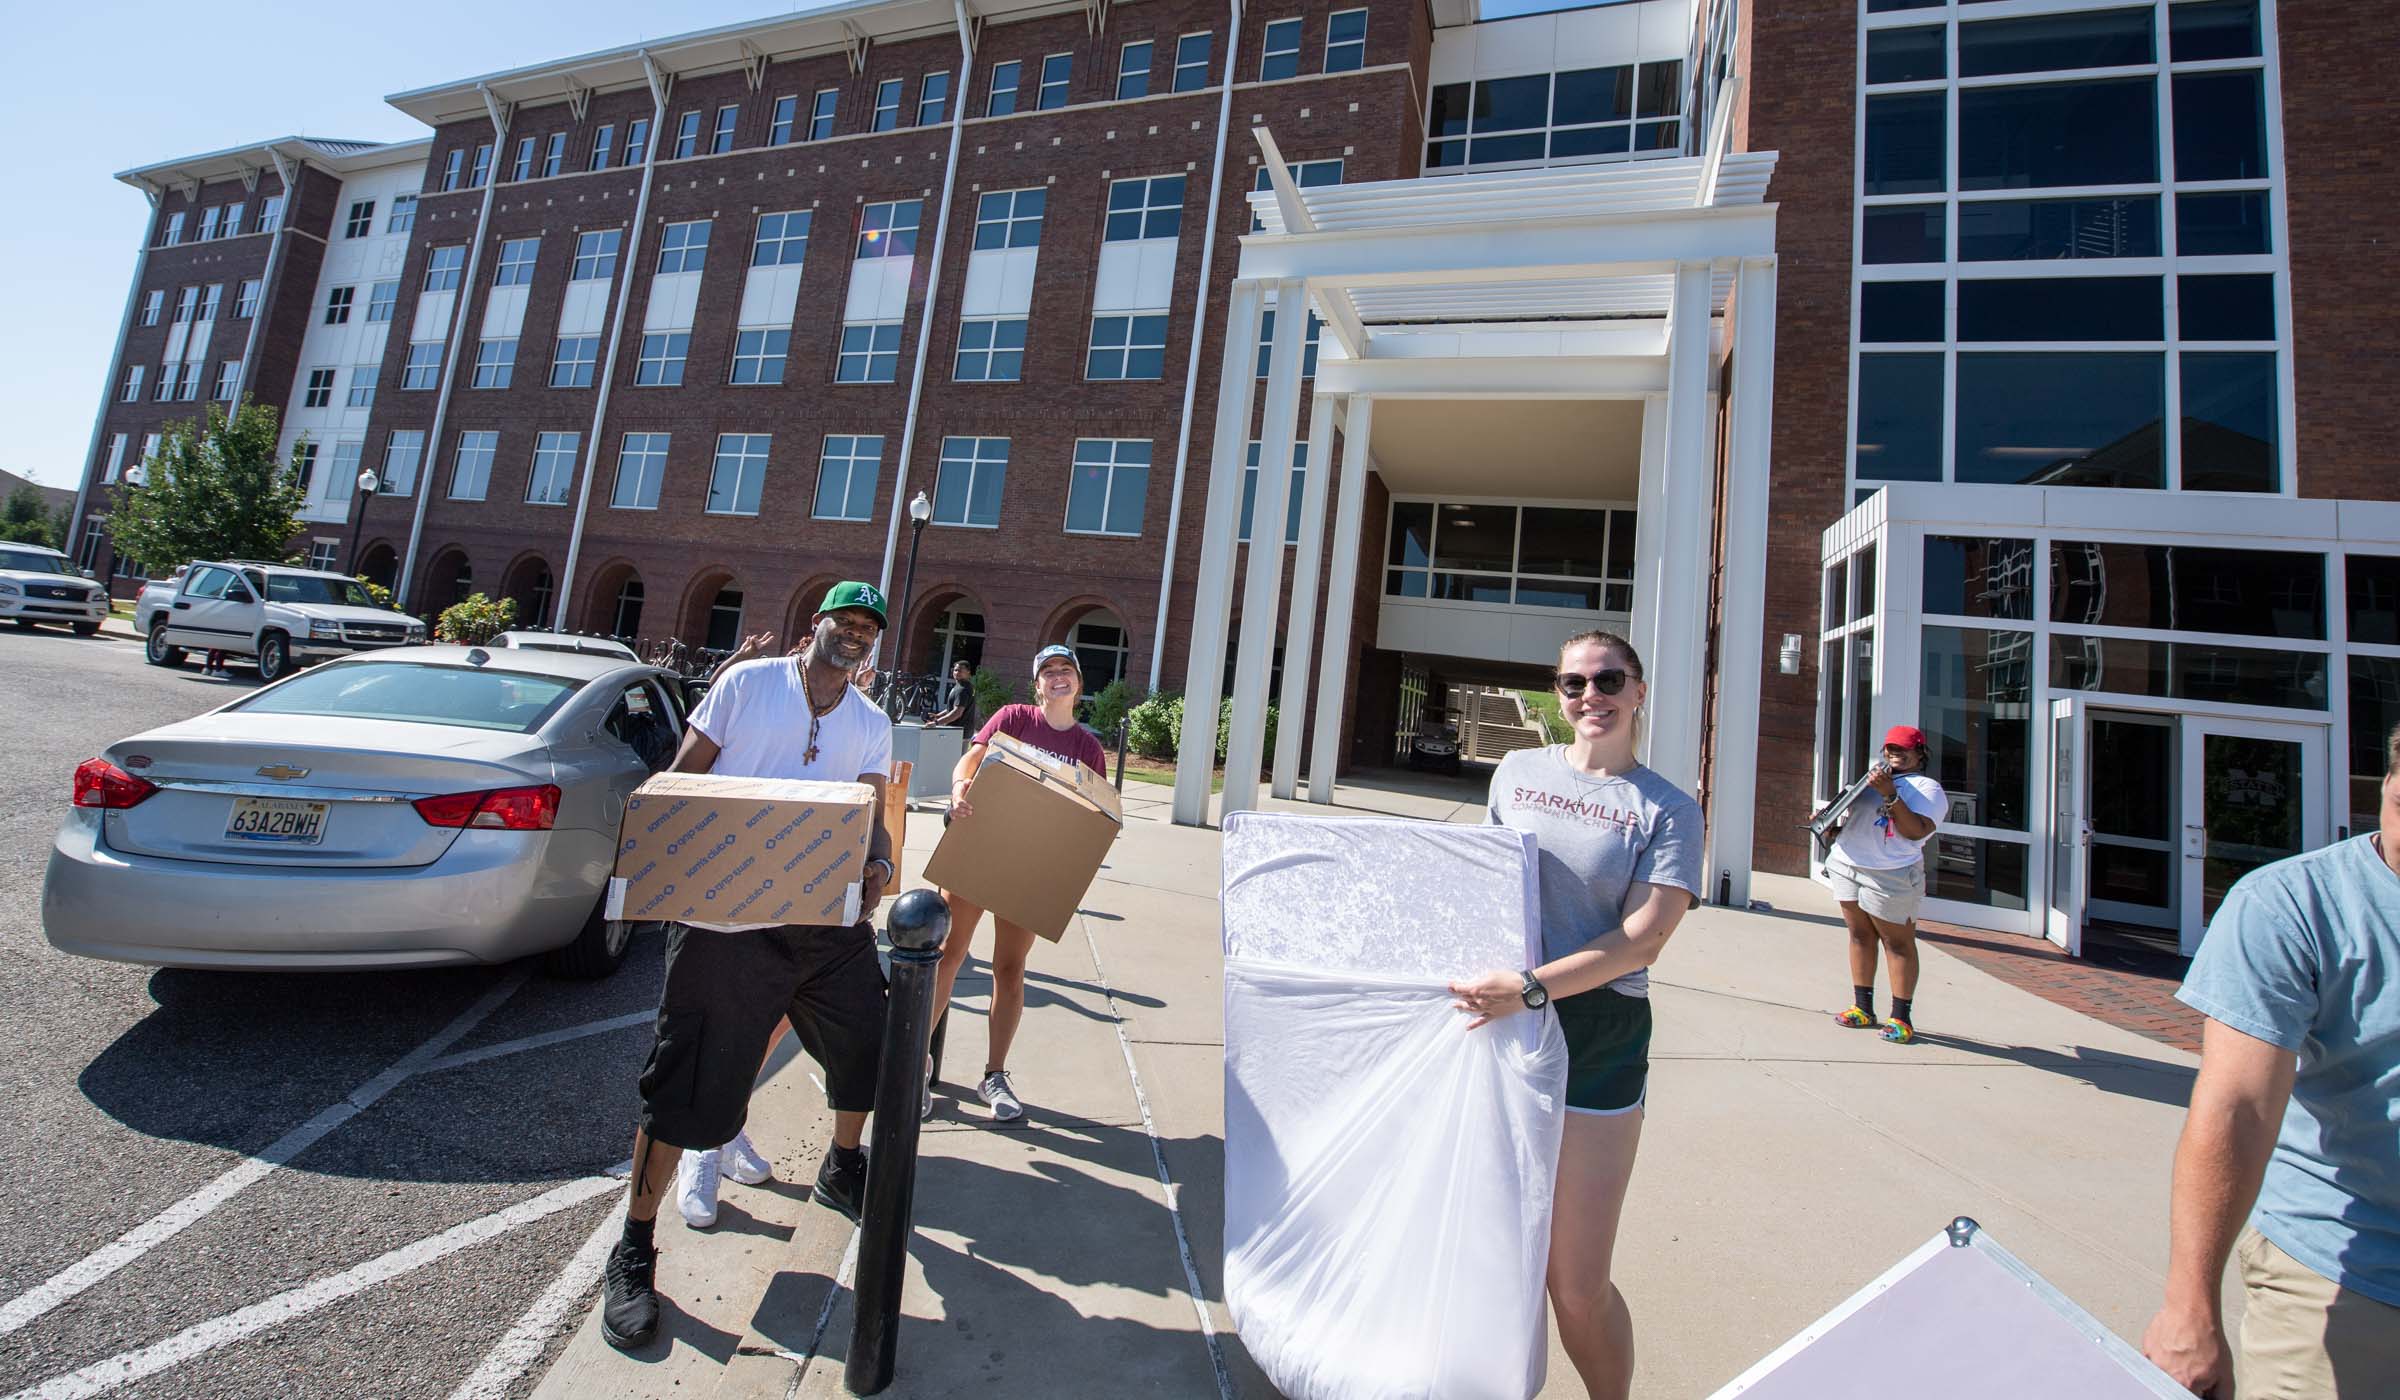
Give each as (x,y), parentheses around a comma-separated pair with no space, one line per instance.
(810,756)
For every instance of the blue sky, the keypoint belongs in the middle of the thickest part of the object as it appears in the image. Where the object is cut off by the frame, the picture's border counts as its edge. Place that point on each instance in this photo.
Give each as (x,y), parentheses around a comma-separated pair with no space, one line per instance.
(110,86)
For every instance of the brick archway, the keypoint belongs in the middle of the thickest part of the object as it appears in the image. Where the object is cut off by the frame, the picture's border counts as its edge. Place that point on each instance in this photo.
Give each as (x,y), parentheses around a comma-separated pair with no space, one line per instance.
(529,581)
(615,603)
(697,614)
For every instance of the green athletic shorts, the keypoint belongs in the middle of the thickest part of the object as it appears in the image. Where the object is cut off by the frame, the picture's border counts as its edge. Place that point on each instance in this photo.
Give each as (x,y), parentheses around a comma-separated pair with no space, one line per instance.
(1608,1050)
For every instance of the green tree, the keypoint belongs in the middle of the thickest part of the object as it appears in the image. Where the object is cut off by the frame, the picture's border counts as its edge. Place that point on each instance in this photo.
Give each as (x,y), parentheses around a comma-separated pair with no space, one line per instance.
(24,519)
(475,620)
(213,490)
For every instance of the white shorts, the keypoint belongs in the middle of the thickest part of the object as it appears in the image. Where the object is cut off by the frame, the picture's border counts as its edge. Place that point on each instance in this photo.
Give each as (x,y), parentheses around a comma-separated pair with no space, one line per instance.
(1890,895)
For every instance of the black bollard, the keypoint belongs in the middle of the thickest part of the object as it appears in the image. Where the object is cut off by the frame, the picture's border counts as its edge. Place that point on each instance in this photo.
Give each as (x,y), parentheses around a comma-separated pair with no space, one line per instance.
(918,924)
(1123,726)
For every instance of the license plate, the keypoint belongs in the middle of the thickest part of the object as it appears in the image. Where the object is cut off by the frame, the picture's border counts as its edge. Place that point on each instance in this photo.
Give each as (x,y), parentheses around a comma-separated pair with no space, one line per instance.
(280,820)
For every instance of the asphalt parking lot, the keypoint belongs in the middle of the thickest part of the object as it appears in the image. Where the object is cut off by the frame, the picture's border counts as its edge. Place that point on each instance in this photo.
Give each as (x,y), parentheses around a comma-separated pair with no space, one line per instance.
(274,1185)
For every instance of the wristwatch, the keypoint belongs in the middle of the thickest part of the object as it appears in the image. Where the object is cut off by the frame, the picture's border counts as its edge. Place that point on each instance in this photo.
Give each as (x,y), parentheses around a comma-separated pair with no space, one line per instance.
(1536,995)
(888,871)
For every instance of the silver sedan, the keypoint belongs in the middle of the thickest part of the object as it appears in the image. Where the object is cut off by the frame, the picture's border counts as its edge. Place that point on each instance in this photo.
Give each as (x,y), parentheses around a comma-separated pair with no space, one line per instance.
(407,808)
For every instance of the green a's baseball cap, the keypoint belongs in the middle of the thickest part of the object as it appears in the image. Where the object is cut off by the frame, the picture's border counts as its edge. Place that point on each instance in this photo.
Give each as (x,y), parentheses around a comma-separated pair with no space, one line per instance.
(855,595)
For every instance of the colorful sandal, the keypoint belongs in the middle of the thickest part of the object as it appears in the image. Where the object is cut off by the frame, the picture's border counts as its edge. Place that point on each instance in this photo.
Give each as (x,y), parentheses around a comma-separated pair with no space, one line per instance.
(1899,1032)
(1857,1020)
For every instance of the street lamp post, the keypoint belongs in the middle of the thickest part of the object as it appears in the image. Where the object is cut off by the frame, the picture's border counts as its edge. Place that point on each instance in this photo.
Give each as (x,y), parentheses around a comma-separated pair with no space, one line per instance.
(368,483)
(920,511)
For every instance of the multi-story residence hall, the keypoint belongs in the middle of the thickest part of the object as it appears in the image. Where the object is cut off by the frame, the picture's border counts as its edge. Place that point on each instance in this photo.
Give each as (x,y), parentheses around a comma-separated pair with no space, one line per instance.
(2008,367)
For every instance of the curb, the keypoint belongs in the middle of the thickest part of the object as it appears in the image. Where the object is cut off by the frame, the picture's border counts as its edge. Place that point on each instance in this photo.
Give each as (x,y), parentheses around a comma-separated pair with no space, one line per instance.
(779,1354)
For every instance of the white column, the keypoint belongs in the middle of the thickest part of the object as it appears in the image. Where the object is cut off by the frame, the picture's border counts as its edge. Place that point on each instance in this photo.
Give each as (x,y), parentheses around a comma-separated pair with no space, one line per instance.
(1676,667)
(1245,744)
(1212,598)
(1741,640)
(1650,516)
(1341,587)
(1292,704)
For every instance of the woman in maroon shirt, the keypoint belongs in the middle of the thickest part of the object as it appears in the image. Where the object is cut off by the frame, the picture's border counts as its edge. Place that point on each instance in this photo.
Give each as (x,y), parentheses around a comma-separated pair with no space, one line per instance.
(1049,725)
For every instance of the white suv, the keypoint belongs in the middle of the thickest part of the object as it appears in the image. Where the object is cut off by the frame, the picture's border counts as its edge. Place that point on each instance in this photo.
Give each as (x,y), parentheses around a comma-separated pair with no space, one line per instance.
(38,584)
(281,615)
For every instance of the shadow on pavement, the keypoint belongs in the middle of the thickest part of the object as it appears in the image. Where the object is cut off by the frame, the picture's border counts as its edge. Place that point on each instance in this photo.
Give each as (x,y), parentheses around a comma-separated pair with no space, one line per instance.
(2129,1075)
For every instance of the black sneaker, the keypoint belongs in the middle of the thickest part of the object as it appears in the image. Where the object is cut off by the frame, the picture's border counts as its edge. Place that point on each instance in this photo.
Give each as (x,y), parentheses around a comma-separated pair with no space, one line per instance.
(629,1303)
(842,1180)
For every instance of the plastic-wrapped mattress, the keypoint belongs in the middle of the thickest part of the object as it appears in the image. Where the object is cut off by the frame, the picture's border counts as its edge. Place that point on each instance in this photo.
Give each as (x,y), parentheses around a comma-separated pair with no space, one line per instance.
(1388,1172)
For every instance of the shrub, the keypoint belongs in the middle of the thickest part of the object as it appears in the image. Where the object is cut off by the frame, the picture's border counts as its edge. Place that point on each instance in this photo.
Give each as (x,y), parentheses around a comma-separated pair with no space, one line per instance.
(476,620)
(991,693)
(376,591)
(1107,709)
(1155,726)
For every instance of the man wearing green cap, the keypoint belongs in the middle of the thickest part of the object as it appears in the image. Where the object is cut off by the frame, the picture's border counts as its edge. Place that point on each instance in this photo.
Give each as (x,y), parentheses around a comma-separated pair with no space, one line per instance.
(728,987)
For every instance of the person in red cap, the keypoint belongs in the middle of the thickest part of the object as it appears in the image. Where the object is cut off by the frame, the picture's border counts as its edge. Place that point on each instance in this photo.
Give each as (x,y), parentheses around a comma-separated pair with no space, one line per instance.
(1877,870)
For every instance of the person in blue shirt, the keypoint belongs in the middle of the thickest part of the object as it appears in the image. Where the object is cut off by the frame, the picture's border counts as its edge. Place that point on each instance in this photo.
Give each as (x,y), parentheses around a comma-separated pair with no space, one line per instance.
(2294,1128)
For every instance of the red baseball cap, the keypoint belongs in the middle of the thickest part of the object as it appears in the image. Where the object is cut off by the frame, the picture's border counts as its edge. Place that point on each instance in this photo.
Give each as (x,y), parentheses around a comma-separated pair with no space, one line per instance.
(1905,736)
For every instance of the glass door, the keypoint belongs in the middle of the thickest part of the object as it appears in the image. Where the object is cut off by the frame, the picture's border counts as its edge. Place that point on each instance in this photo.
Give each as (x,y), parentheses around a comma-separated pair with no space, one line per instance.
(2130,777)
(2070,826)
(2253,792)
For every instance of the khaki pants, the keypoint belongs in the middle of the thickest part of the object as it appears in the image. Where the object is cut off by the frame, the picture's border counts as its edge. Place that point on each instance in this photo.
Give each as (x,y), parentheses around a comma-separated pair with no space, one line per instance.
(2304,1337)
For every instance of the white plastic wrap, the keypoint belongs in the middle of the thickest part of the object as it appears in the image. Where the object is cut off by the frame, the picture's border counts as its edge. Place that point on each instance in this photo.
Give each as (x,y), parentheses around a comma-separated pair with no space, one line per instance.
(1388,1173)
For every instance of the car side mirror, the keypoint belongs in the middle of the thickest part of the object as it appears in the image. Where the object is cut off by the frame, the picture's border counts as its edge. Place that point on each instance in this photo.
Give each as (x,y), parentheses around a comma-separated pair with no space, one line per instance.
(88,573)
(240,595)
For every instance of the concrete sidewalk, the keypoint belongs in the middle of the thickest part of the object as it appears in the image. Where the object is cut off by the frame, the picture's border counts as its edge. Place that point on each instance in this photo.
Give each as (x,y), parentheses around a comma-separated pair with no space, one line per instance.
(1786,1163)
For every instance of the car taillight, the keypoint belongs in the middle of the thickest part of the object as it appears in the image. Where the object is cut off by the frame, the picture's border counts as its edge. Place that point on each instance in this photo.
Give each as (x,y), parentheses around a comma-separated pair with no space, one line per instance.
(502,809)
(100,783)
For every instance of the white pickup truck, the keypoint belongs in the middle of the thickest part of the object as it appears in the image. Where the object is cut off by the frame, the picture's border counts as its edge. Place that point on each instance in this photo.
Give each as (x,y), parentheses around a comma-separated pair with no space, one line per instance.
(281,615)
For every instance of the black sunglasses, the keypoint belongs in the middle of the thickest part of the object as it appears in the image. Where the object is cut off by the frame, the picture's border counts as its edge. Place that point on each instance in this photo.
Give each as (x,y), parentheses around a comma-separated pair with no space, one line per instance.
(1608,682)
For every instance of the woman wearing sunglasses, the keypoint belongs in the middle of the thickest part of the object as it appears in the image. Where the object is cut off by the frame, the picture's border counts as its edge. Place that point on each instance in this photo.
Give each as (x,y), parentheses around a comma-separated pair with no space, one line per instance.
(1620,858)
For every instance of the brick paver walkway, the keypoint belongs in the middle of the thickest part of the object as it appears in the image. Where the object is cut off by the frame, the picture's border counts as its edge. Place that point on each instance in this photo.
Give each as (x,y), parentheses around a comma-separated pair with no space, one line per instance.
(2127,988)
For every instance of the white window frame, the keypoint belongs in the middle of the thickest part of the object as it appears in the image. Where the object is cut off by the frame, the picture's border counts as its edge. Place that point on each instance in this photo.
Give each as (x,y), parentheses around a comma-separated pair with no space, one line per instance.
(974,456)
(403,457)
(322,552)
(1125,352)
(777,244)
(939,102)
(1268,52)
(471,464)
(1633,123)
(134,374)
(1003,210)
(720,136)
(403,216)
(1015,68)
(682,250)
(747,454)
(887,105)
(233,218)
(495,364)
(1208,54)
(445,267)
(1127,73)
(596,254)
(1063,84)
(245,301)
(520,167)
(1150,209)
(481,172)
(208,224)
(190,392)
(637,142)
(424,363)
(154,304)
(604,142)
(383,301)
(318,391)
(516,262)
(784,120)
(1109,455)
(229,376)
(687,135)
(361,393)
(212,299)
(867,359)
(645,454)
(338,302)
(822,111)
(581,369)
(554,457)
(849,461)
(659,364)
(1332,43)
(990,351)
(113,465)
(554,155)
(760,350)
(885,241)
(173,235)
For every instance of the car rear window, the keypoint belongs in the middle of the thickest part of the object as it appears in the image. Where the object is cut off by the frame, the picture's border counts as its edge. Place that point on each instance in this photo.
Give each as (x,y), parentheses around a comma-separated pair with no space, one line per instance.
(412,693)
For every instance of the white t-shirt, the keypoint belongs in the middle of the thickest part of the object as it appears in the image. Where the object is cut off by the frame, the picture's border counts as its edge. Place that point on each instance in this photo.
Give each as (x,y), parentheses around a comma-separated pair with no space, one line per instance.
(758,715)
(1868,842)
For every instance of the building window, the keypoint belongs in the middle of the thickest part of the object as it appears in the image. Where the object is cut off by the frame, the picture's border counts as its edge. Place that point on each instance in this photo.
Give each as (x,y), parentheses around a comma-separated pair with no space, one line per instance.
(521,168)
(1533,556)
(424,365)
(401,455)
(383,299)
(661,362)
(958,636)
(114,465)
(495,363)
(820,116)
(403,217)
(319,393)
(208,224)
(304,466)
(482,169)
(1191,62)
(627,620)
(846,478)
(1108,486)
(779,130)
(133,383)
(553,473)
(211,297)
(1291,529)
(1610,113)
(321,553)
(758,356)
(991,350)
(347,453)
(1057,68)
(471,473)
(1128,347)
(155,301)
(233,217)
(337,305)
(1306,174)
(687,136)
(724,621)
(739,475)
(174,230)
(1346,41)
(782,239)
(637,141)
(887,105)
(1010,219)
(517,257)
(572,365)
(603,142)
(1281,56)
(1308,352)
(933,99)
(444,267)
(721,140)
(596,255)
(1101,650)
(554,155)
(166,383)
(1003,97)
(229,375)
(685,247)
(362,385)
(187,305)
(1144,208)
(889,230)
(245,300)
(870,353)
(190,392)
(1133,70)
(641,466)
(967,492)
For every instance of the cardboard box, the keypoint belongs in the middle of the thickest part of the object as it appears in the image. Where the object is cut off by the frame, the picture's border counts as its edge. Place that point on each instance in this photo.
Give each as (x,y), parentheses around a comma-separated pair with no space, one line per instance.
(703,849)
(1040,827)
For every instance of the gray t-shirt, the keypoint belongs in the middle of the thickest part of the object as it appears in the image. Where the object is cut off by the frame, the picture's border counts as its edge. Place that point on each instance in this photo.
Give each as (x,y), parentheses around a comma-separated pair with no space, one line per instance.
(1597,837)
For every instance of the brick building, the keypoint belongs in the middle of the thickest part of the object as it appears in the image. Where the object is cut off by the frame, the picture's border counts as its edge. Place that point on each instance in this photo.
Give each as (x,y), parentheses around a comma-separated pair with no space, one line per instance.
(2055,436)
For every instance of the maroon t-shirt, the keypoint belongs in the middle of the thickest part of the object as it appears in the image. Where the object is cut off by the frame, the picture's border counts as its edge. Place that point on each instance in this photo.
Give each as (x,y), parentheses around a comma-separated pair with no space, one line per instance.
(1025,724)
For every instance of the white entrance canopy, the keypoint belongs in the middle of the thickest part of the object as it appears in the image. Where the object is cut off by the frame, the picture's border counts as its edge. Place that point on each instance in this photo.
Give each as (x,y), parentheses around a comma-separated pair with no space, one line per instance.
(1591,282)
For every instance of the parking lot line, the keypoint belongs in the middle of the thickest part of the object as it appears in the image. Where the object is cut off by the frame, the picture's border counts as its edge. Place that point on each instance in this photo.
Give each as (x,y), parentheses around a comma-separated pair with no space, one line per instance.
(522,1346)
(536,1042)
(192,1209)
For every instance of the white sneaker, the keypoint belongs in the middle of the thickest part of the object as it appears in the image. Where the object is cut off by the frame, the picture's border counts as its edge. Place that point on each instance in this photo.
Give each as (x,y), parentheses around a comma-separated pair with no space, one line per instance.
(743,1165)
(999,1096)
(696,1188)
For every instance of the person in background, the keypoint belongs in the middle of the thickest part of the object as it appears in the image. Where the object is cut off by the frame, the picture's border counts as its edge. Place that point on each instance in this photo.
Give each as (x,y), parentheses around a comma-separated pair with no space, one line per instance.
(1050,726)
(958,699)
(2287,1158)
(1877,870)
(1620,859)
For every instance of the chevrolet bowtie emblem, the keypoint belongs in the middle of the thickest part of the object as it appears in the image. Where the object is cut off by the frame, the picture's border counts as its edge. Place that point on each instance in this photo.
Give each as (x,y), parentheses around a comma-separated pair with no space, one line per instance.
(282,772)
